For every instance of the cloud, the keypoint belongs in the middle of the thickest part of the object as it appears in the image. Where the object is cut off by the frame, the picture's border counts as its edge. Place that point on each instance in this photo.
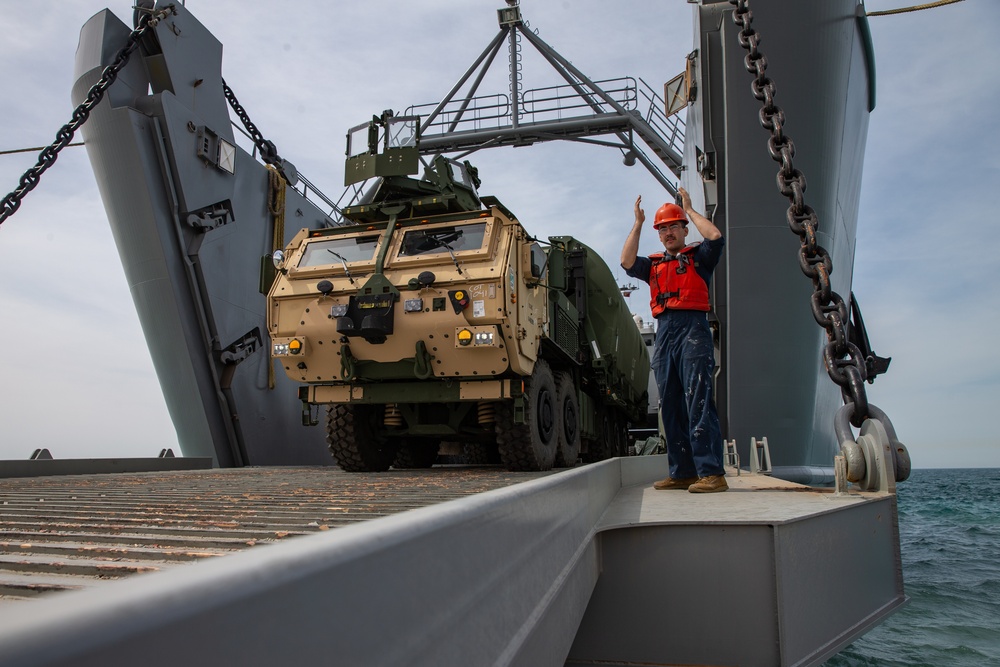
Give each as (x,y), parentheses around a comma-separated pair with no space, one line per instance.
(928,247)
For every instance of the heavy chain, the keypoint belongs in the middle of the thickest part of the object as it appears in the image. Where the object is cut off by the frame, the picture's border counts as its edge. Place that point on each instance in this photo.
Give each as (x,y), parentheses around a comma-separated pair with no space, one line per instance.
(268,151)
(843,360)
(64,136)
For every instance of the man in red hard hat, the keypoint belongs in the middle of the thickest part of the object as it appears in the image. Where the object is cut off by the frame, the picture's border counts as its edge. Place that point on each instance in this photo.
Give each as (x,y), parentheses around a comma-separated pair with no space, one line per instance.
(684,357)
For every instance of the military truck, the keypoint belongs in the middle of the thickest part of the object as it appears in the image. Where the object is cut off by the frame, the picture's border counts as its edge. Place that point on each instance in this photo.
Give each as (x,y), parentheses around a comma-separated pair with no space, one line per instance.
(435,317)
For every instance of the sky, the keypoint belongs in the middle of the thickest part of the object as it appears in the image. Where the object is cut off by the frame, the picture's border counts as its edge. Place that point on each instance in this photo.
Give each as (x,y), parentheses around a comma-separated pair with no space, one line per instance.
(77,377)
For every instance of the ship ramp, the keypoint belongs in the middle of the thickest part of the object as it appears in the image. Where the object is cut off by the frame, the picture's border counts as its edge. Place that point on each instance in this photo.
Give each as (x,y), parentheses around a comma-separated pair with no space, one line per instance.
(585,566)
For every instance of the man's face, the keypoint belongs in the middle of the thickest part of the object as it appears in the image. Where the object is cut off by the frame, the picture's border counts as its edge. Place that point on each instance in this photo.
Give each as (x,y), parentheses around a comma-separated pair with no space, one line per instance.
(673,237)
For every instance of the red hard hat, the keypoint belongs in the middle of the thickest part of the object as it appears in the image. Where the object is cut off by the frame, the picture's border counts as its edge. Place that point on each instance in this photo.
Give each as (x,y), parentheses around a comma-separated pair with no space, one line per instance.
(669,213)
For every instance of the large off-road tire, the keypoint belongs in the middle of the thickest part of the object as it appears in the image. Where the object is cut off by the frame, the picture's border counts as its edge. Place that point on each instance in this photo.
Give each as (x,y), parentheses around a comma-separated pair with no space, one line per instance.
(416,453)
(568,417)
(352,433)
(531,445)
(619,434)
(602,447)
(480,453)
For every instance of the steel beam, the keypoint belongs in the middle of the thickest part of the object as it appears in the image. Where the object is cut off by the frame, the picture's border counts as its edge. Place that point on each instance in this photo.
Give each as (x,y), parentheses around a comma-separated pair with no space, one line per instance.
(526,133)
(49,467)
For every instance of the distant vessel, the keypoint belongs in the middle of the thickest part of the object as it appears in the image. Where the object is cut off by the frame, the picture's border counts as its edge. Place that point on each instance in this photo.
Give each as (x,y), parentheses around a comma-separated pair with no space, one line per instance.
(189,212)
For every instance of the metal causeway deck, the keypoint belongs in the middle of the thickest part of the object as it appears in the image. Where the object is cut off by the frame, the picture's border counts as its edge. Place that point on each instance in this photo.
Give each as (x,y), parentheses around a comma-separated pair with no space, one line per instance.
(587,566)
(75,532)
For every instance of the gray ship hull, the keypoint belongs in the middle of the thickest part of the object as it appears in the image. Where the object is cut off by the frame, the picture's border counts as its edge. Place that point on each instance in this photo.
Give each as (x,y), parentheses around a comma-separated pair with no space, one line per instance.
(195,286)
(772,382)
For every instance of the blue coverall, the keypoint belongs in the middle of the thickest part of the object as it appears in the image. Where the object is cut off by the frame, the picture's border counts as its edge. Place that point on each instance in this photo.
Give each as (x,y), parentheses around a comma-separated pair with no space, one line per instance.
(683,364)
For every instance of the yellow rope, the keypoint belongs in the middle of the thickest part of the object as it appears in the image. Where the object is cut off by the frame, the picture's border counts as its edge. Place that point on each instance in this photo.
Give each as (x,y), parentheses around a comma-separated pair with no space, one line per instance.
(915,8)
(276,207)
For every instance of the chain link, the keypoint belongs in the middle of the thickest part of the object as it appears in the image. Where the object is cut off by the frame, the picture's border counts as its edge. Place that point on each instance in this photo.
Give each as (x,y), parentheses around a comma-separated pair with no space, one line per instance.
(268,151)
(64,136)
(843,360)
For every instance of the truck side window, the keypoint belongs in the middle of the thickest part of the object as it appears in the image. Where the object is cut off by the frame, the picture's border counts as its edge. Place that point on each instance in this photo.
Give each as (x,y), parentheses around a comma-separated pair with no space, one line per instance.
(455,238)
(539,262)
(337,250)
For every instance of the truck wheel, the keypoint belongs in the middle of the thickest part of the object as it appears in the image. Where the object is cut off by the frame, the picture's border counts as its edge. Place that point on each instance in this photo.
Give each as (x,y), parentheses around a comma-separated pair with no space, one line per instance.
(480,453)
(619,434)
(352,433)
(568,417)
(531,445)
(607,433)
(602,447)
(416,453)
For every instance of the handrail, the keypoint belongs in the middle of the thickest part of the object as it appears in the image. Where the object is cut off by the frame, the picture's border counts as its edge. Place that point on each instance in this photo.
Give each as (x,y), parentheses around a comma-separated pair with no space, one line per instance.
(541,104)
(304,187)
(483,108)
(670,129)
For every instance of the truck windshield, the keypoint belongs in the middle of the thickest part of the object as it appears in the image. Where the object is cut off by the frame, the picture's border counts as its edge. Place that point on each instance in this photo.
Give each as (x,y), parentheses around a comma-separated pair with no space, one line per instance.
(340,250)
(443,239)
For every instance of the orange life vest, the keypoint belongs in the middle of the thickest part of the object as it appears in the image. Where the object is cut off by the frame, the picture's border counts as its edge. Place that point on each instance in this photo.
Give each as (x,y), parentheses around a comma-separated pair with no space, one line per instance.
(675,284)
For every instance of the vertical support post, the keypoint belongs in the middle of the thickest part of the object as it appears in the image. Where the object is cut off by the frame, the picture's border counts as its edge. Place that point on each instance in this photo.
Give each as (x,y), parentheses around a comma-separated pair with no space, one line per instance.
(760,457)
(840,475)
(732,457)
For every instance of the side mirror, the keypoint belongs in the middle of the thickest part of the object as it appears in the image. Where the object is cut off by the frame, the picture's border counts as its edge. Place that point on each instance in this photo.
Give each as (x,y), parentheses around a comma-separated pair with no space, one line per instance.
(539,262)
(270,265)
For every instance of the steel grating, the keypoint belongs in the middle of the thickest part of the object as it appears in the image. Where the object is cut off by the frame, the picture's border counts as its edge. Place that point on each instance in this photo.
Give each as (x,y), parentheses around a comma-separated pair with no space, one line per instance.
(73,532)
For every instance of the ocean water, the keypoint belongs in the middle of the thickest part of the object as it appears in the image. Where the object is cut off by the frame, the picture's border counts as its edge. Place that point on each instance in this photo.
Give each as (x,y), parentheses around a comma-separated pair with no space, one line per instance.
(949,525)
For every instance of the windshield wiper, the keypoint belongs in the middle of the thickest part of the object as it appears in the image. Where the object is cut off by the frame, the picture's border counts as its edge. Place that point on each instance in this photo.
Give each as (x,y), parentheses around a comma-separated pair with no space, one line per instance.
(440,241)
(342,261)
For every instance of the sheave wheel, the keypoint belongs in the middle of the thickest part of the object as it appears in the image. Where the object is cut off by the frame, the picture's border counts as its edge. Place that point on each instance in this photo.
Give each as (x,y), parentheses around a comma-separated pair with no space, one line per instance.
(352,433)
(416,453)
(531,445)
(568,417)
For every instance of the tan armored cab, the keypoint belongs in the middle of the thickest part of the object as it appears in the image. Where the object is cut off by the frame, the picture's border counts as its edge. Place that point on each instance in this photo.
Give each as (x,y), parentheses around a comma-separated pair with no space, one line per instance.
(436,317)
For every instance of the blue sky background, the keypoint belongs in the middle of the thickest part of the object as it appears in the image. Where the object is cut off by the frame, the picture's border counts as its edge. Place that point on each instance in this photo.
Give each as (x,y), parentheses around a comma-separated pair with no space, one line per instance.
(76,376)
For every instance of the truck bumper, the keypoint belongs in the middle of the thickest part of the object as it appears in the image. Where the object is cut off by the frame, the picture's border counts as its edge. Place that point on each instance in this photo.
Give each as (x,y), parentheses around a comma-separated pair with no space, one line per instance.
(415,392)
